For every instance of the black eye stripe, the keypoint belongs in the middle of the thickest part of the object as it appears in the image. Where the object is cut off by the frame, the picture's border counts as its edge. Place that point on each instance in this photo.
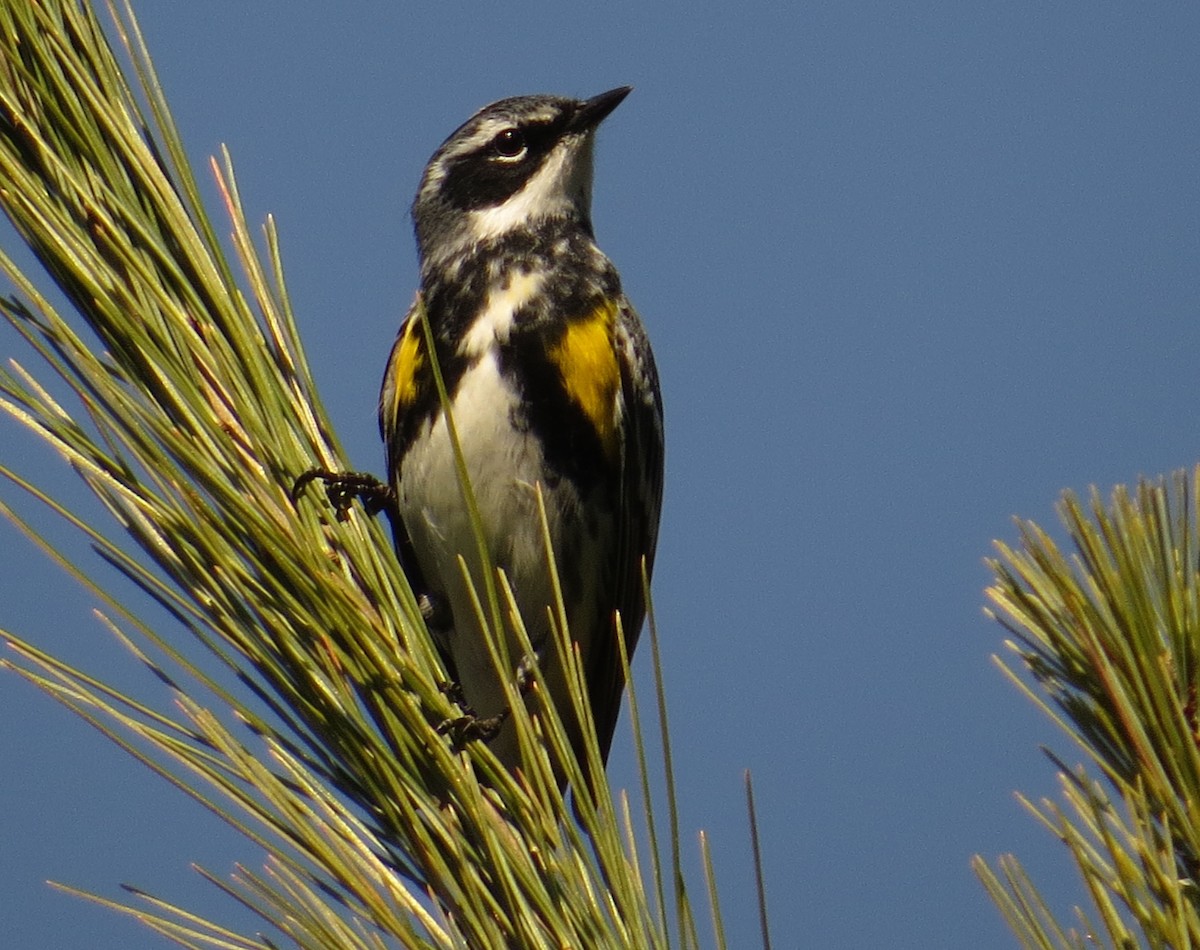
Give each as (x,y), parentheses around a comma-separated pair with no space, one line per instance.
(498,168)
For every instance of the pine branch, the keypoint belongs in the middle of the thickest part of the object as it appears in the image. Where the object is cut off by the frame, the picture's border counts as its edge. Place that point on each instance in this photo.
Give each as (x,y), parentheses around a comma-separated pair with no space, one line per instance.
(1110,636)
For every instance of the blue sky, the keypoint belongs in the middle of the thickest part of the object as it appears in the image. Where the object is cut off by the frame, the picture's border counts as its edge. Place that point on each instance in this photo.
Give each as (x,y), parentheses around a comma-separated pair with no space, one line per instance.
(909,271)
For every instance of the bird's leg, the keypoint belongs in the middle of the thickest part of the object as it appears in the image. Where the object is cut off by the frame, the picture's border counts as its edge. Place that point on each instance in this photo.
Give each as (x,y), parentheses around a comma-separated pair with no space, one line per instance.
(469,726)
(435,612)
(524,674)
(341,488)
(462,729)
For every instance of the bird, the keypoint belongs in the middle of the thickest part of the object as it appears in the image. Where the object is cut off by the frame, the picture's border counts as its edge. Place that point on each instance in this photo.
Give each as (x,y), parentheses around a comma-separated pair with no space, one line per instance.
(552,390)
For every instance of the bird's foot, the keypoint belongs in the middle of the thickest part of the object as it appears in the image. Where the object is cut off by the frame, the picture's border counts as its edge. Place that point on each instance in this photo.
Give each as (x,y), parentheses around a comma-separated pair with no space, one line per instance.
(342,488)
(469,726)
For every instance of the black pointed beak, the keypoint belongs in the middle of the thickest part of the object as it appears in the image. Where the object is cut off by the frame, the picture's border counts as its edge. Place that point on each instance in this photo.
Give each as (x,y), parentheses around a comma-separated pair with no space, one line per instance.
(595,110)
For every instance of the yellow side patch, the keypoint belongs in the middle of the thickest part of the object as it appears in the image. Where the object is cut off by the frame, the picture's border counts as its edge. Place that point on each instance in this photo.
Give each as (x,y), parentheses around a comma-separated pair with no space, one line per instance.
(591,375)
(406,361)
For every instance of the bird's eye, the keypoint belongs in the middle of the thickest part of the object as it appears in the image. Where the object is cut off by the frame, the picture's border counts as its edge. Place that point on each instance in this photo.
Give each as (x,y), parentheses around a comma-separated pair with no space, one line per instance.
(509,143)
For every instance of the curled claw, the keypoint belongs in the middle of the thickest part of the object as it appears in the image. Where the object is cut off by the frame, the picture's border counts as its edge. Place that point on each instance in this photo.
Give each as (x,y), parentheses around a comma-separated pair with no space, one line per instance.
(469,726)
(464,729)
(342,488)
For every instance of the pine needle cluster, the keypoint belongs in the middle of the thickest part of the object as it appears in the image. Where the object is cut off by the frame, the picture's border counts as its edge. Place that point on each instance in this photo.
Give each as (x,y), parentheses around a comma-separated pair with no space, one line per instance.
(192,413)
(1109,637)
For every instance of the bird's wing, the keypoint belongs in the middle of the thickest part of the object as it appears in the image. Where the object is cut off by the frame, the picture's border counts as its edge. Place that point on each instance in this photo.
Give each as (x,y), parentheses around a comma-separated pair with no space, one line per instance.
(637,526)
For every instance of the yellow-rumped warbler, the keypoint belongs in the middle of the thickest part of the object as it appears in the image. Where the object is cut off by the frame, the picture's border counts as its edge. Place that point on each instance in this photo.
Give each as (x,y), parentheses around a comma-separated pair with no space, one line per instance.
(551,385)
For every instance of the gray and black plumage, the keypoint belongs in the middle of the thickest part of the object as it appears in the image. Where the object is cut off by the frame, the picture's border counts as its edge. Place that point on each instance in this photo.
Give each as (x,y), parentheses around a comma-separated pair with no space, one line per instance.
(551,382)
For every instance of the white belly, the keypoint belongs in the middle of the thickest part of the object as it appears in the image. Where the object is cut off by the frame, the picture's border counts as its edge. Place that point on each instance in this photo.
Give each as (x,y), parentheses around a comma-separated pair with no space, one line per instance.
(504,466)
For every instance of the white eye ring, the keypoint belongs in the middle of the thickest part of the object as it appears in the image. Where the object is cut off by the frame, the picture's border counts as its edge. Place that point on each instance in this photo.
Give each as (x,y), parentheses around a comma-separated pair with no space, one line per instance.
(509,144)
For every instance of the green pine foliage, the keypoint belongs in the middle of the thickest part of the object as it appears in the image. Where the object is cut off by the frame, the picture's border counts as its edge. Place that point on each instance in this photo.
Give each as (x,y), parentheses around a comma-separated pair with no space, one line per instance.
(192,413)
(1109,637)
